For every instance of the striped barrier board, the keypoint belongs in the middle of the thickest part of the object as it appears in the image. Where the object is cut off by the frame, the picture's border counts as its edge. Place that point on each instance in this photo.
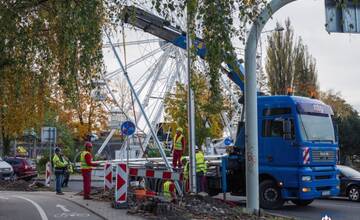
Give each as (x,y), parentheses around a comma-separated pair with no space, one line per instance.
(108,176)
(48,174)
(306,155)
(121,185)
(159,174)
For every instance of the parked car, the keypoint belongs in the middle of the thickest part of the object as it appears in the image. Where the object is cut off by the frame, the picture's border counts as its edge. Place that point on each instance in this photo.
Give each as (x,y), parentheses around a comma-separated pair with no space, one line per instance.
(23,168)
(6,171)
(349,182)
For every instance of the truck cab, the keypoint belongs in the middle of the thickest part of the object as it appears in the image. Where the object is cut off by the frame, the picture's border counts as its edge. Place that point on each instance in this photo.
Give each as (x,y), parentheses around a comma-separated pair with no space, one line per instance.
(297,153)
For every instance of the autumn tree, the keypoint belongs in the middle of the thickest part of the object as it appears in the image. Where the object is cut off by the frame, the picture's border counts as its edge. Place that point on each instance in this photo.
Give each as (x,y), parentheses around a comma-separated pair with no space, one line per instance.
(347,120)
(44,44)
(208,120)
(289,64)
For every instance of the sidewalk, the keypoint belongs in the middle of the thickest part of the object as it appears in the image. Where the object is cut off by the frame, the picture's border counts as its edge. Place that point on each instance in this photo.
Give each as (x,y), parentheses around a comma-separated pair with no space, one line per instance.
(73,177)
(102,209)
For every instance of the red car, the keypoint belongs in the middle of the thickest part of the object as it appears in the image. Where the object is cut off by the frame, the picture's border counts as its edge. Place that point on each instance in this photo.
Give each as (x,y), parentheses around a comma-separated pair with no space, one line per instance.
(23,168)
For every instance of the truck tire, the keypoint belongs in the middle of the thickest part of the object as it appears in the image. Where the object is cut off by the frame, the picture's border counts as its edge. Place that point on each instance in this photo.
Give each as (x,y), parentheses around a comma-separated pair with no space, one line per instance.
(302,202)
(270,195)
(353,193)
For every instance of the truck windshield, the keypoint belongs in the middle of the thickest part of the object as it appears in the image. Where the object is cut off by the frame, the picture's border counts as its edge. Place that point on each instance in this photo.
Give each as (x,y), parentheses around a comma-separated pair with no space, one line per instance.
(316,128)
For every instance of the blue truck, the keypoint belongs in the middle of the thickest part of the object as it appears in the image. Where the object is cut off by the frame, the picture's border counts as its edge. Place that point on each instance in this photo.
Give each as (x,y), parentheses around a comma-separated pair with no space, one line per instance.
(298,148)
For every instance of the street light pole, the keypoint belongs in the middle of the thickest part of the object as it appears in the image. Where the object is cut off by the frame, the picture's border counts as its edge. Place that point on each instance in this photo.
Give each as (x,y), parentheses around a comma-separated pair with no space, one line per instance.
(191,108)
(251,128)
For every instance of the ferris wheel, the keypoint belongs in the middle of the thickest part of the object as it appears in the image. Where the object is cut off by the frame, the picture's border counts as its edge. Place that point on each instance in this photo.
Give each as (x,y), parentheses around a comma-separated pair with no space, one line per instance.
(153,65)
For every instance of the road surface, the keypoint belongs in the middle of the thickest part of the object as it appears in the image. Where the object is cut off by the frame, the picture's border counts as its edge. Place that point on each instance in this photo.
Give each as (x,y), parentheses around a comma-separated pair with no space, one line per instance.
(40,206)
(336,209)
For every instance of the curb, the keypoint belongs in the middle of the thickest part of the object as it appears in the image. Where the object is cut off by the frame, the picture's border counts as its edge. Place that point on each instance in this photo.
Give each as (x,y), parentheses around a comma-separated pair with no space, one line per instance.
(84,206)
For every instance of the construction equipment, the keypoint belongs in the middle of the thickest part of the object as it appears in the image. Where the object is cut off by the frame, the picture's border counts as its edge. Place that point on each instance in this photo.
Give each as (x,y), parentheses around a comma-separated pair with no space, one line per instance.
(297,144)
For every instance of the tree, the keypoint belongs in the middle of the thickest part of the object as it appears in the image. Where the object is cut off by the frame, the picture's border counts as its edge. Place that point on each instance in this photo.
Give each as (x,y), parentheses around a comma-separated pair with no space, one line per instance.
(45,43)
(289,65)
(348,121)
(208,120)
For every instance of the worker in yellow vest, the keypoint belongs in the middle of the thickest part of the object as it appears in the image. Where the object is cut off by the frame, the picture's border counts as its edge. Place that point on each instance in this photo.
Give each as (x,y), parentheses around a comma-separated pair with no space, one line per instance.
(178,147)
(59,165)
(169,190)
(185,174)
(86,167)
(200,170)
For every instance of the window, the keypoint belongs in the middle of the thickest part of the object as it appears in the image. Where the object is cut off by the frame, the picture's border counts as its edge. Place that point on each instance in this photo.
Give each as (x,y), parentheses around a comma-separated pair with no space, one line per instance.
(276,111)
(274,128)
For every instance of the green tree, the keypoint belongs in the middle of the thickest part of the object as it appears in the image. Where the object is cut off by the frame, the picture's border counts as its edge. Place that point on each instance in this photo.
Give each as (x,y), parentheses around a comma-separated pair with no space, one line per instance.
(289,65)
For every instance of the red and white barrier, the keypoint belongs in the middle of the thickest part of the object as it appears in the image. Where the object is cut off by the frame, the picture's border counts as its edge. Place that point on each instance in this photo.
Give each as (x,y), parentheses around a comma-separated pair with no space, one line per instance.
(108,176)
(121,184)
(48,174)
(159,174)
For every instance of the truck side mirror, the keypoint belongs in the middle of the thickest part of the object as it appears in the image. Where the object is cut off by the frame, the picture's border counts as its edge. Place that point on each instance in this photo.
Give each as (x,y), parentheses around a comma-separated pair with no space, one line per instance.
(287,129)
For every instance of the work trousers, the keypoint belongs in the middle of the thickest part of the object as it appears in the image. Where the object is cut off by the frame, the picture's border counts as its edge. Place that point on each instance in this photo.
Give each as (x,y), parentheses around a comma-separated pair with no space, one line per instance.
(200,182)
(59,179)
(177,154)
(86,182)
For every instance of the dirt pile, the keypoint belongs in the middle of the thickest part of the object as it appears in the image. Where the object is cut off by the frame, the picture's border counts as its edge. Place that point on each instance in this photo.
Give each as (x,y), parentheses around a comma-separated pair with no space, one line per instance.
(98,193)
(193,207)
(22,185)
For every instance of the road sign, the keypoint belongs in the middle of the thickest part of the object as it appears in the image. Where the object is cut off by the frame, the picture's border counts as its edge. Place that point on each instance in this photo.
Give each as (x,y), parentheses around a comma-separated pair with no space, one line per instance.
(48,135)
(228,141)
(128,128)
(344,18)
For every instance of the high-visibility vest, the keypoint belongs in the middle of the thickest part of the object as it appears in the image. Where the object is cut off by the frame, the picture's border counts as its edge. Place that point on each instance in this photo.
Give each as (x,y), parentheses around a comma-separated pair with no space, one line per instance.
(83,163)
(200,162)
(166,189)
(178,142)
(186,170)
(58,163)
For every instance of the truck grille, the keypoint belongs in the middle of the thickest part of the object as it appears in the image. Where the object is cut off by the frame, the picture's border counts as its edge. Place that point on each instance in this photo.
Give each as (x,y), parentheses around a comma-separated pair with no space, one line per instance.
(323,156)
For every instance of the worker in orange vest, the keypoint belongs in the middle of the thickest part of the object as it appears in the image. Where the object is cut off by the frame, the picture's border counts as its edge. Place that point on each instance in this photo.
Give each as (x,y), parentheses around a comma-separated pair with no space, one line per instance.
(178,147)
(86,167)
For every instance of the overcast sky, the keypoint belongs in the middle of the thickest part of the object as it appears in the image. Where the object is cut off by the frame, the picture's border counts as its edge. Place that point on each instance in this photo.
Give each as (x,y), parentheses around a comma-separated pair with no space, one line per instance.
(337,55)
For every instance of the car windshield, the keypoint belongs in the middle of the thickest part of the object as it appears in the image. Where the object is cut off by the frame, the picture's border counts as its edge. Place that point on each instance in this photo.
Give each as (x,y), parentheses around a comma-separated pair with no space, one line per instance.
(349,172)
(316,128)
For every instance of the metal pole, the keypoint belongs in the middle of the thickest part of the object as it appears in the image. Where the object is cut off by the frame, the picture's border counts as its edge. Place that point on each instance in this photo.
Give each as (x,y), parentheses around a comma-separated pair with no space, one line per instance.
(158,144)
(191,110)
(251,128)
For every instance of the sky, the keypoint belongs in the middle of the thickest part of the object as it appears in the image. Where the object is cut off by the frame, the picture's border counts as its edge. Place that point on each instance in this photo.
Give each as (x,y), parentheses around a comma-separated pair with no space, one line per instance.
(337,55)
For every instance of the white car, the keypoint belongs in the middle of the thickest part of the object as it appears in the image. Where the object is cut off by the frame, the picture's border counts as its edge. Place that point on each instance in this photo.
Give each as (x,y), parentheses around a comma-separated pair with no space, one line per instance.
(6,170)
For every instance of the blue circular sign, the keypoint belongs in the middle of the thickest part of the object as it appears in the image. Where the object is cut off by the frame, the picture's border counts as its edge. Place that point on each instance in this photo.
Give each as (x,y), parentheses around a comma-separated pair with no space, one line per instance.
(128,128)
(228,141)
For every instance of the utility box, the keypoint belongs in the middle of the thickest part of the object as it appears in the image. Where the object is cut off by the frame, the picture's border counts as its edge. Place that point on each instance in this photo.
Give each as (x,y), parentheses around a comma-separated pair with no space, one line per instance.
(342,18)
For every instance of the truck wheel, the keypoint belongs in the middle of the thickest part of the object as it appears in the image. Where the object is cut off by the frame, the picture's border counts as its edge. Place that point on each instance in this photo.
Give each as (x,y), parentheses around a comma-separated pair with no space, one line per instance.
(354,193)
(270,195)
(302,202)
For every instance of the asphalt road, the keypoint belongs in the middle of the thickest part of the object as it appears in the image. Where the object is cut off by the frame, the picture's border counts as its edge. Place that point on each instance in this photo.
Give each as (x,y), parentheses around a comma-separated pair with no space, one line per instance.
(40,206)
(336,209)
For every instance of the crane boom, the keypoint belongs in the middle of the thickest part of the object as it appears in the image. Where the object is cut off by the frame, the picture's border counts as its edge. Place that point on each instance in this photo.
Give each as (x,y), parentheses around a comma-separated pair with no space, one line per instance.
(162,28)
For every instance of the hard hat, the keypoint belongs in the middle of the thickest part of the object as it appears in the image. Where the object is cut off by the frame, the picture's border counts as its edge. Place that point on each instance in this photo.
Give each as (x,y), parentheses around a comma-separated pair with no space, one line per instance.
(88,144)
(179,129)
